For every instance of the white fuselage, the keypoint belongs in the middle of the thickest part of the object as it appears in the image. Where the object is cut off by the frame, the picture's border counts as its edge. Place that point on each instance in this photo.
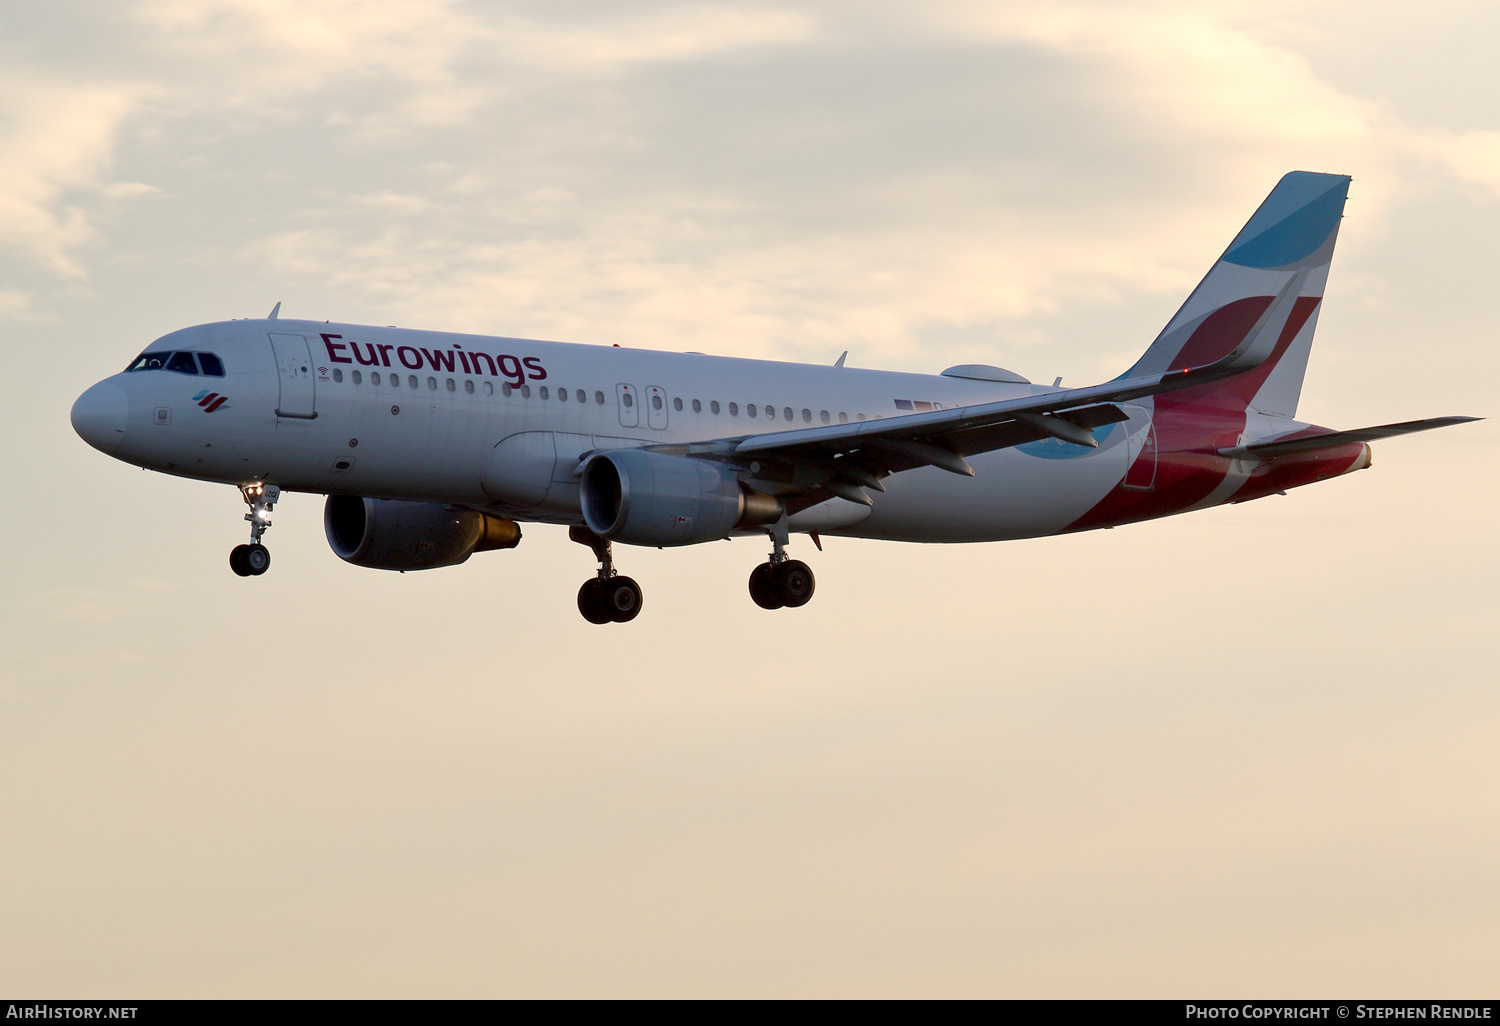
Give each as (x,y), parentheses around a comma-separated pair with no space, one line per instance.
(378,412)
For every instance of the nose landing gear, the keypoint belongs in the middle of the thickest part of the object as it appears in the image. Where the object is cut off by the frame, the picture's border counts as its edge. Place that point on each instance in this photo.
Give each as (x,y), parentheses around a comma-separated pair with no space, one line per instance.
(781,582)
(255,559)
(250,560)
(605,598)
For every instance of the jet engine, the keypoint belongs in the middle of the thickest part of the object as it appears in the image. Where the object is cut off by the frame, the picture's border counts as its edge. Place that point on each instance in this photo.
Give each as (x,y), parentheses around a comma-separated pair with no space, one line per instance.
(389,534)
(649,498)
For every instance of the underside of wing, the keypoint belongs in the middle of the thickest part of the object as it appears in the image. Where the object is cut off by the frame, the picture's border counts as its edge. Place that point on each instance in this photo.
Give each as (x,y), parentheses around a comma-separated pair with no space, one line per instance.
(806,466)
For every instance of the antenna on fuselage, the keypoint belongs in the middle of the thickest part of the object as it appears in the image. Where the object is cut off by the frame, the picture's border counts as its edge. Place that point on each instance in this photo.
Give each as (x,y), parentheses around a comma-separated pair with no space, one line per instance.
(274,311)
(840,361)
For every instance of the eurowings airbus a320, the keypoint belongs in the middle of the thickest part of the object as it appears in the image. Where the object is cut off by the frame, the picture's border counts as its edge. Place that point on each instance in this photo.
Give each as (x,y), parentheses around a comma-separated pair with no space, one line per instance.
(432,446)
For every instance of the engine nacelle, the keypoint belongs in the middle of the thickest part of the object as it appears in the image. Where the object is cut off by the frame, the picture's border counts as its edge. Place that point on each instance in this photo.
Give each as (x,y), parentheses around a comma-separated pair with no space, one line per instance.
(649,498)
(389,534)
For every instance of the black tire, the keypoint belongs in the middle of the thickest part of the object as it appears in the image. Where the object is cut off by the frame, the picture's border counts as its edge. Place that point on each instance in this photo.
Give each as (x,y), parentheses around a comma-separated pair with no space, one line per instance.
(591,602)
(257,559)
(763,587)
(237,561)
(622,597)
(795,583)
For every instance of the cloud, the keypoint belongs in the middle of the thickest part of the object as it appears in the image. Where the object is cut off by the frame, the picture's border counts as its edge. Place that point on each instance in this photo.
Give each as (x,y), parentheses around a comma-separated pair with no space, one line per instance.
(16,305)
(746,177)
(434,62)
(1469,156)
(129,190)
(1212,73)
(56,147)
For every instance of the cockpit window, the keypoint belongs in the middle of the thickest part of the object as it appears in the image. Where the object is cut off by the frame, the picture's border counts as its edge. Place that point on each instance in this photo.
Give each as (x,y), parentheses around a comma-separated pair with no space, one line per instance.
(182,363)
(149,361)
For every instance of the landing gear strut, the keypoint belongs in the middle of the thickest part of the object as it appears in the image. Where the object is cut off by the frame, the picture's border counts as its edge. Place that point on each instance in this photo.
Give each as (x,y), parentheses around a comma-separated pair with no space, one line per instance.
(255,559)
(607,597)
(780,581)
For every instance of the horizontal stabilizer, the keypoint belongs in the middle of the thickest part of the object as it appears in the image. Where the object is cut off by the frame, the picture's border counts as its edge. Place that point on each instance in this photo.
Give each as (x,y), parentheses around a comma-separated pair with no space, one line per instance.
(1268,450)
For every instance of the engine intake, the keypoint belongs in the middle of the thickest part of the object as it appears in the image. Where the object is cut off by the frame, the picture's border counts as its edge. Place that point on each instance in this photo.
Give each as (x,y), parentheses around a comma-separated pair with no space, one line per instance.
(649,498)
(389,534)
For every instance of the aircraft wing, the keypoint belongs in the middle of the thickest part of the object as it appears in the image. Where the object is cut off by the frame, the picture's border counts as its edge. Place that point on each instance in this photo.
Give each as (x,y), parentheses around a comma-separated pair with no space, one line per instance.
(943,437)
(844,459)
(1329,439)
(807,465)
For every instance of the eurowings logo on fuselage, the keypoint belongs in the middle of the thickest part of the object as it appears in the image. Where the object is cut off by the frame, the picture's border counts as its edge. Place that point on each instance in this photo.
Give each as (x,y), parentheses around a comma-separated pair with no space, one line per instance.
(210,401)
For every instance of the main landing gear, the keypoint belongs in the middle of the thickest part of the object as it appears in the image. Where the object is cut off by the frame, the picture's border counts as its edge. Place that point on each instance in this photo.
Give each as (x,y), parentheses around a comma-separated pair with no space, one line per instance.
(255,559)
(606,598)
(780,581)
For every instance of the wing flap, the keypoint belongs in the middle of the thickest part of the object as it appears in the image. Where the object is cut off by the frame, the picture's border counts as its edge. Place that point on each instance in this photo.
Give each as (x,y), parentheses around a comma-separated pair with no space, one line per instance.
(927,427)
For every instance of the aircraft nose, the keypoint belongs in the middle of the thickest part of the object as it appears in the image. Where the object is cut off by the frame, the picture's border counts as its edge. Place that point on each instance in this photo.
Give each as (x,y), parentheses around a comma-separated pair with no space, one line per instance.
(99,416)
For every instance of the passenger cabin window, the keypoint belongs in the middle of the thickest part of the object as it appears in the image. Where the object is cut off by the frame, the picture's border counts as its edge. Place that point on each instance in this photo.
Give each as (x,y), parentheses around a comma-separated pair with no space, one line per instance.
(713,407)
(355,377)
(734,409)
(542,392)
(598,399)
(338,375)
(697,406)
(677,405)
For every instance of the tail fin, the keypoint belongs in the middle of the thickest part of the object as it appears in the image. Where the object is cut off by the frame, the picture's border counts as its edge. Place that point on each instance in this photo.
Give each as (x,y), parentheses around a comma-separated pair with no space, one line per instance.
(1281,254)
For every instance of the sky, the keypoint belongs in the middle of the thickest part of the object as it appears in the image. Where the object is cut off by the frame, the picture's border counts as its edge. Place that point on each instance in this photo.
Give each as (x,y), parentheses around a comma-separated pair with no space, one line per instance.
(1248,751)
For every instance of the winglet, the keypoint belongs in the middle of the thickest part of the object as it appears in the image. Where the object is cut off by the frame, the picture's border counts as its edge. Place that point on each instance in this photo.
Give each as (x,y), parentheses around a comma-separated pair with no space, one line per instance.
(274,311)
(840,361)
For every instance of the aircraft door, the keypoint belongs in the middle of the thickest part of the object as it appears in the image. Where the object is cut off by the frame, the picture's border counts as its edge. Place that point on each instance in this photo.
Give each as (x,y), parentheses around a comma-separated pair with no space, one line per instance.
(294,372)
(630,409)
(656,407)
(1141,477)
